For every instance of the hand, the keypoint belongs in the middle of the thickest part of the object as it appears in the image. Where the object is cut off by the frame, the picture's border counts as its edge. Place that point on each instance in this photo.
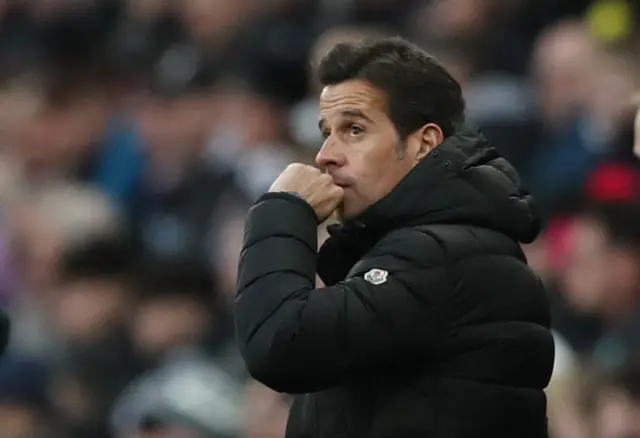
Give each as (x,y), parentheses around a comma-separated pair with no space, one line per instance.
(315,187)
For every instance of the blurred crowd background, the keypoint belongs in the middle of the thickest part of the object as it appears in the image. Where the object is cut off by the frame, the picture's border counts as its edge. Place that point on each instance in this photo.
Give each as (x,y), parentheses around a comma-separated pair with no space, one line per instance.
(134,134)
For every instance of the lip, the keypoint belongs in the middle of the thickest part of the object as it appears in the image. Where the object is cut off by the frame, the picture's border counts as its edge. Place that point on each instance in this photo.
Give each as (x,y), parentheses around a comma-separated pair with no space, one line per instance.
(339,181)
(342,184)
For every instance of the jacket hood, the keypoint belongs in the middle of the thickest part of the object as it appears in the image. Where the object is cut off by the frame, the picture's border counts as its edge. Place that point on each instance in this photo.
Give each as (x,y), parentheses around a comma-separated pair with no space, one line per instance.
(463,181)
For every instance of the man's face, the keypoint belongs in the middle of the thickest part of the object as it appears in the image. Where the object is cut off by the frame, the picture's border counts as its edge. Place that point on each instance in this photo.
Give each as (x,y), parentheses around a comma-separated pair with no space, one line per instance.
(601,277)
(53,138)
(584,278)
(175,128)
(163,324)
(362,150)
(86,310)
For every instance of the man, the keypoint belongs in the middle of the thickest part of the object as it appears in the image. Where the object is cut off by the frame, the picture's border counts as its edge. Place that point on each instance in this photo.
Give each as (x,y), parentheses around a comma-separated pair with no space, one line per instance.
(431,323)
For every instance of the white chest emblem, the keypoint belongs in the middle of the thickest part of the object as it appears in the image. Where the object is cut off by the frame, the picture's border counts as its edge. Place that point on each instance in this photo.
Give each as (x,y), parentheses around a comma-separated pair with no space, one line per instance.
(376,276)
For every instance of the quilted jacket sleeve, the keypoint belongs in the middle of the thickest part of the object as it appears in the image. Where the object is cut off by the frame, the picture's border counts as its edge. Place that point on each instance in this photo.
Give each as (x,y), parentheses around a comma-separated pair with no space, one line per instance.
(298,339)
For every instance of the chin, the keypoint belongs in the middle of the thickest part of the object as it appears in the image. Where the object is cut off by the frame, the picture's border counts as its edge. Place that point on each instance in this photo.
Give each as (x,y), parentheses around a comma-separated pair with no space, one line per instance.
(345,214)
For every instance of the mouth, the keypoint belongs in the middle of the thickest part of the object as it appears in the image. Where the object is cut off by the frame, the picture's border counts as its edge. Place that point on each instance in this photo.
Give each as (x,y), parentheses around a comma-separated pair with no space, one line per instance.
(341,183)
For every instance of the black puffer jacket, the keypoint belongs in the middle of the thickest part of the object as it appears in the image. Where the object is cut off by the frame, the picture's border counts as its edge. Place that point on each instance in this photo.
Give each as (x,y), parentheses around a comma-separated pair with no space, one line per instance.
(431,325)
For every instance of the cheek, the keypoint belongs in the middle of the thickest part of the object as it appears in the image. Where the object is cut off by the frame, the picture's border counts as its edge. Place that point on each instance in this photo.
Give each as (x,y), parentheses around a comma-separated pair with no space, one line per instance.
(373,158)
(384,169)
(80,314)
(161,326)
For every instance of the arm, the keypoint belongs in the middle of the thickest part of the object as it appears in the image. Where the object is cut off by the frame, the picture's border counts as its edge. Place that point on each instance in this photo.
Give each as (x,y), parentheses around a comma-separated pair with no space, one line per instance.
(295,338)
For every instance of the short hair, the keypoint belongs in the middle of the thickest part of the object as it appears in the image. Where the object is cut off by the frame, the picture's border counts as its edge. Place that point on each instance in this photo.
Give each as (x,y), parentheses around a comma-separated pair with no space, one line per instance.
(102,259)
(418,88)
(178,278)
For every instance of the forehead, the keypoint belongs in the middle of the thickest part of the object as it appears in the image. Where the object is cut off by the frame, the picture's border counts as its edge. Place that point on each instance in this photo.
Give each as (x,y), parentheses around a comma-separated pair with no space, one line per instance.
(355,94)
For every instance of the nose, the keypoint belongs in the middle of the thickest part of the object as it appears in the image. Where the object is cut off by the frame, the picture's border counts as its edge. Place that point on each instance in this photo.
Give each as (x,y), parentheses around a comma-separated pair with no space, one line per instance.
(329,156)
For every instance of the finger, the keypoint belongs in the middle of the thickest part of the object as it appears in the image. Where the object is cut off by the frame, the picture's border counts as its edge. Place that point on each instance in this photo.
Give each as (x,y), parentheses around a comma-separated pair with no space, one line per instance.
(325,180)
(337,191)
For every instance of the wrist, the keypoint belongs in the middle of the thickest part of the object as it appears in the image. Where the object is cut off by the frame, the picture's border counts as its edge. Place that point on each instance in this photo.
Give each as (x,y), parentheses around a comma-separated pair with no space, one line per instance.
(296,194)
(293,197)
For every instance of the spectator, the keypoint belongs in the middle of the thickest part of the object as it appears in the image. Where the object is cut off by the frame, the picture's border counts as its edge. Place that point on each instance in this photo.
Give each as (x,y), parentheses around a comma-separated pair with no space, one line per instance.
(94,290)
(180,307)
(94,298)
(69,130)
(181,192)
(41,225)
(584,128)
(600,284)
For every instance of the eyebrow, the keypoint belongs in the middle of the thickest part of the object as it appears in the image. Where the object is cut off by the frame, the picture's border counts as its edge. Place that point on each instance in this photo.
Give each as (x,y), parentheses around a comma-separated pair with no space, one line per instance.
(352,112)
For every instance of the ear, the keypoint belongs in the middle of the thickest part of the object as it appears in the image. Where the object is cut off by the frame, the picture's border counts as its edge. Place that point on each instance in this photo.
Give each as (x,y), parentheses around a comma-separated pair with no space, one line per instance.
(430,136)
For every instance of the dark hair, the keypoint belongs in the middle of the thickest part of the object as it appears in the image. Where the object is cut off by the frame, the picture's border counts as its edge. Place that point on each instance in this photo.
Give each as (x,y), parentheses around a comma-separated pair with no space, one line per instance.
(620,221)
(103,258)
(418,88)
(190,279)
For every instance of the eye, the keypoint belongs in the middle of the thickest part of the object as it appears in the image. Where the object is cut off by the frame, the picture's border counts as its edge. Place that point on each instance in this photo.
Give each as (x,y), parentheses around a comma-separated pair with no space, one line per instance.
(355,130)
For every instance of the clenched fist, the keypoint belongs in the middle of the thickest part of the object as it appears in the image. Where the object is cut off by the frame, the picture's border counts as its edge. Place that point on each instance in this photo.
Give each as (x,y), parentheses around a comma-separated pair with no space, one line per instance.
(315,187)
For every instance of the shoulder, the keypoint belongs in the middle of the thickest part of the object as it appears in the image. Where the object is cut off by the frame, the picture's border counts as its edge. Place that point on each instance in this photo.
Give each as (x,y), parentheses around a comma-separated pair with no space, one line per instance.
(437,245)
(410,244)
(402,250)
